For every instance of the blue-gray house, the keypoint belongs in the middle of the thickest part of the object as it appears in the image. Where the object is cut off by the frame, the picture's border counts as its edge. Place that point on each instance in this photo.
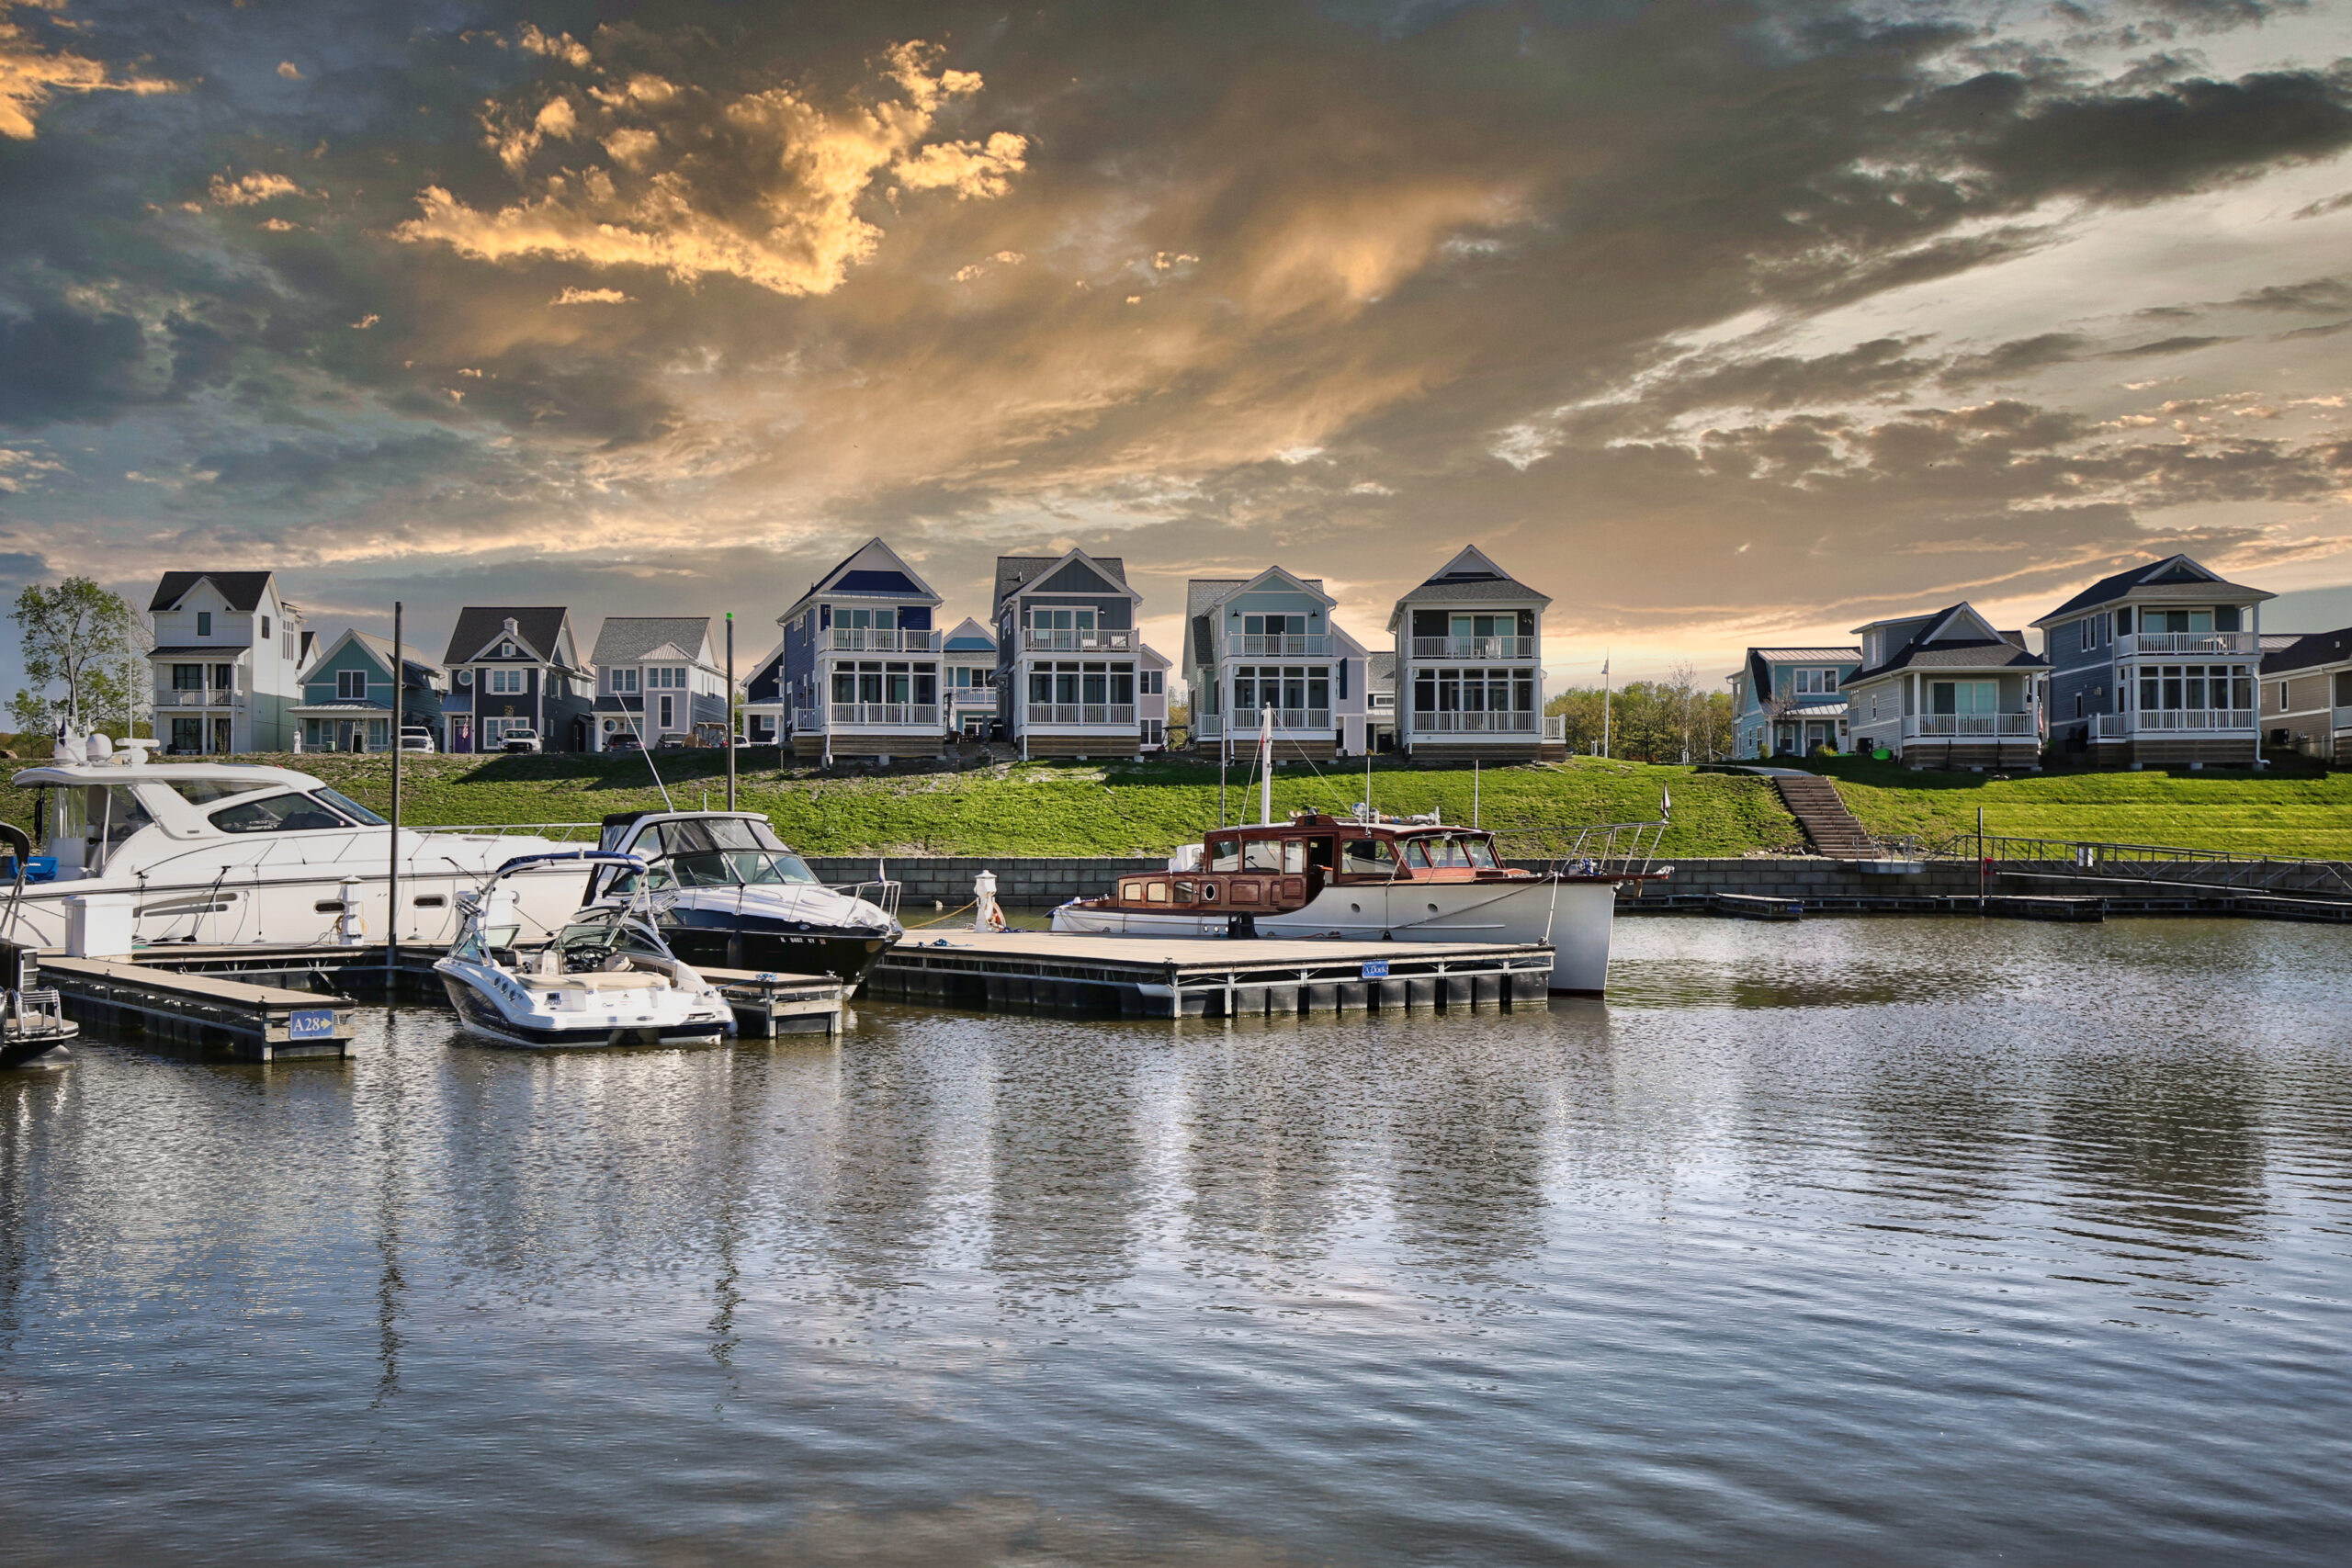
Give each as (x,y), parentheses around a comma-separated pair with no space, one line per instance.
(346,701)
(2157,665)
(861,660)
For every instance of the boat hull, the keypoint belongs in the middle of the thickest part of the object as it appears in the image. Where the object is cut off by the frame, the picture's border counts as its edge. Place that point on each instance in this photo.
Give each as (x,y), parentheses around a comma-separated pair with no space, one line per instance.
(1575,916)
(483,1017)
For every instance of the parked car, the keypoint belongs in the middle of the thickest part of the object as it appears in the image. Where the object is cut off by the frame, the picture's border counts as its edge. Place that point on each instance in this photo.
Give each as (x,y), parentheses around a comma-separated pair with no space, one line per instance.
(623,742)
(519,740)
(418,740)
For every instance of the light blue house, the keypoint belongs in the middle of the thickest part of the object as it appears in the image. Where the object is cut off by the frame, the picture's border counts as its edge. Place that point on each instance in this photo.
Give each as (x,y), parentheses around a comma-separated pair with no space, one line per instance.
(1269,642)
(346,701)
(1790,702)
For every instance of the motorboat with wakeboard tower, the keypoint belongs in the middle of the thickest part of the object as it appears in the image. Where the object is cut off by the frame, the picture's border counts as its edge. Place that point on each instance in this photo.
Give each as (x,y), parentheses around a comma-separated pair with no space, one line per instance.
(728,893)
(1375,878)
(219,851)
(606,978)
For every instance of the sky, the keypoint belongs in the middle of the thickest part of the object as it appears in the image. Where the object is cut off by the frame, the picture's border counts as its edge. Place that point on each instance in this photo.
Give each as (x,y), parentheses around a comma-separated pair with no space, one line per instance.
(1719,323)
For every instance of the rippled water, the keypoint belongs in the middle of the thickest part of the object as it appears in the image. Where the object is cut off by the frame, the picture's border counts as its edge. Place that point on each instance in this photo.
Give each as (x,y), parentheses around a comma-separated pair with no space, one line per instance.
(1923,1242)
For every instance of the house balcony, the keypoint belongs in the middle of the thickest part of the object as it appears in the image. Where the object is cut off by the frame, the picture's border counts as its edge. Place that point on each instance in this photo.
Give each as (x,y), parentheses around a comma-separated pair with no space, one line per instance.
(2176,644)
(2234,722)
(881,715)
(1305,645)
(1432,722)
(1080,641)
(204,697)
(1474,647)
(1972,726)
(1118,715)
(875,639)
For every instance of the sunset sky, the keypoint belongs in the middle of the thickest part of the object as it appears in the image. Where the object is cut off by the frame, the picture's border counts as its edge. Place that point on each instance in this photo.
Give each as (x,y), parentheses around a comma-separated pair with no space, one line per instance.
(1720,324)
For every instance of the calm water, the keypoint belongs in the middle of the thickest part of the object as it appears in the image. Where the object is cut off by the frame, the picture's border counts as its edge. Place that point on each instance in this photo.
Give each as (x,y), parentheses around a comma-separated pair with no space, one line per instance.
(1850,1242)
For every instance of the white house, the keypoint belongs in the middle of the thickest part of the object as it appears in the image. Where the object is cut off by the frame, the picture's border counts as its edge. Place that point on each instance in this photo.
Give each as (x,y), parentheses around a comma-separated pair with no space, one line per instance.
(228,663)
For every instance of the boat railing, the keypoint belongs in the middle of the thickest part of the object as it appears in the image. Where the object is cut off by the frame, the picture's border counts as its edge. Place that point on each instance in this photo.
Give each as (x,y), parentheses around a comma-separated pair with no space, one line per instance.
(882,893)
(562,832)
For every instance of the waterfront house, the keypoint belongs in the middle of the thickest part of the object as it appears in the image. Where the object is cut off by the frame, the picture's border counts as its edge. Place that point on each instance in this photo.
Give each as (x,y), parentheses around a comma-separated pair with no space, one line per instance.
(227,662)
(1946,690)
(2306,697)
(764,707)
(861,660)
(347,696)
(658,678)
(517,668)
(2156,665)
(967,660)
(1269,641)
(1790,702)
(1070,661)
(1469,664)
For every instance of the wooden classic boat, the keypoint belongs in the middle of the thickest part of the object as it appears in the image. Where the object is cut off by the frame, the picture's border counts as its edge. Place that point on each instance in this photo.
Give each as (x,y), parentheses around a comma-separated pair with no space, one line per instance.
(1380,879)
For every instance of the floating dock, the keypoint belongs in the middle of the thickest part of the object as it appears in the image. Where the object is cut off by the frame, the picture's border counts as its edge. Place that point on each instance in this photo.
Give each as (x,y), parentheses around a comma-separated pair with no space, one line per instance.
(262,1023)
(1207,977)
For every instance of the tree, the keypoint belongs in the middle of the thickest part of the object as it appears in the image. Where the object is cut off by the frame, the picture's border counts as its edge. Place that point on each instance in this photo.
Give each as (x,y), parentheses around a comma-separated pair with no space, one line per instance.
(88,639)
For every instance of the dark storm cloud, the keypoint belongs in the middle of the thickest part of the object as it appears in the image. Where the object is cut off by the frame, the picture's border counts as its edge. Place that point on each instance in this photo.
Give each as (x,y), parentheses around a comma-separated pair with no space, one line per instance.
(639,299)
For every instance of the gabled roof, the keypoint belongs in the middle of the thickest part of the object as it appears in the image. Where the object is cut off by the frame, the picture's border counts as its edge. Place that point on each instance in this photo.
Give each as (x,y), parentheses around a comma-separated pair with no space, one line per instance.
(539,628)
(1471,574)
(625,639)
(242,590)
(969,637)
(381,646)
(1956,638)
(1203,594)
(2318,647)
(2173,571)
(873,570)
(1036,572)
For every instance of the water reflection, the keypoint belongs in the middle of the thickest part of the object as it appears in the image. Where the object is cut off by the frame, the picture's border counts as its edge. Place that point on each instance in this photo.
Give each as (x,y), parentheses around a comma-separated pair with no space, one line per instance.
(1732,1281)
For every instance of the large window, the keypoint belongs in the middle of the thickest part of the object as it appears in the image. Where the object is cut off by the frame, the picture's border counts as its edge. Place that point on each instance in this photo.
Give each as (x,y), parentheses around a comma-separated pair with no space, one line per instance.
(2194,686)
(1474,691)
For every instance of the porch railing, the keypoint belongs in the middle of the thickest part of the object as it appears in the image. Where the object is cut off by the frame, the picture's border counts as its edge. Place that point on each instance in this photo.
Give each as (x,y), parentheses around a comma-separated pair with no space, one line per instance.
(1080,640)
(2143,643)
(1474,647)
(879,639)
(1293,645)
(889,715)
(1121,714)
(1426,721)
(1964,726)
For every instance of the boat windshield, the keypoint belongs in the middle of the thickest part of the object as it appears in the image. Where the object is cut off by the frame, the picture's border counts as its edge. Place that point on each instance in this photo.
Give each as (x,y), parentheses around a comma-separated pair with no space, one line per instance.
(1452,851)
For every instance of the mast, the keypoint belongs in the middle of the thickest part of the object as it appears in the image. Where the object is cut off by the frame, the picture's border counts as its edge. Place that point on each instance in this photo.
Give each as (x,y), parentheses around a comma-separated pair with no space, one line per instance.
(1265,767)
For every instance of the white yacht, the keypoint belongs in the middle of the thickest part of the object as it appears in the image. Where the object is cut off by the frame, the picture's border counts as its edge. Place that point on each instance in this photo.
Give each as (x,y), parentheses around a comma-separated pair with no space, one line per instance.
(606,978)
(219,851)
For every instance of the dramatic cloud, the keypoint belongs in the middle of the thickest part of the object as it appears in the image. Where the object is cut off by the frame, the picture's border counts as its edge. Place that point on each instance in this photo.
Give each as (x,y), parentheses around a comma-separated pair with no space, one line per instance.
(30,74)
(765,186)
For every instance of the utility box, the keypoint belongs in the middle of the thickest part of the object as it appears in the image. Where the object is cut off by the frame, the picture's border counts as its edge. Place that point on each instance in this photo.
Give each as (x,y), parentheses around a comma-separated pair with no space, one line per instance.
(99,925)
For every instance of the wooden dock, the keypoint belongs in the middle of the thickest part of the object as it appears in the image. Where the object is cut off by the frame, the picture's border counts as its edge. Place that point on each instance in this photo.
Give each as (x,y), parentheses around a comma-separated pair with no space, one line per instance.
(1207,977)
(262,1024)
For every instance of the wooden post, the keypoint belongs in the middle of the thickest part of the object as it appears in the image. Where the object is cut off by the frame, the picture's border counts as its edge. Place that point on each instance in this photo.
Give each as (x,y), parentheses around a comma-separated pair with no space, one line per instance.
(731,710)
(393,907)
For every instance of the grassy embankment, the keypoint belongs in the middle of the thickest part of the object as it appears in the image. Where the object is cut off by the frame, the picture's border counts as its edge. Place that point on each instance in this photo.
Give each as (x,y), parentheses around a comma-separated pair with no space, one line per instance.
(1044,808)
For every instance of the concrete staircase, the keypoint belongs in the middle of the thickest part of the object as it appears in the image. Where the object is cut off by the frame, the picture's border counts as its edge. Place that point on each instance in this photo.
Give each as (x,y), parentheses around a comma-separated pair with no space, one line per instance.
(1828,826)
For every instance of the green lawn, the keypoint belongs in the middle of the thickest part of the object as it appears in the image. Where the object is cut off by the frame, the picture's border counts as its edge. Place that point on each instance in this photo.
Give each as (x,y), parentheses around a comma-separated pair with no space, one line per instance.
(1053,808)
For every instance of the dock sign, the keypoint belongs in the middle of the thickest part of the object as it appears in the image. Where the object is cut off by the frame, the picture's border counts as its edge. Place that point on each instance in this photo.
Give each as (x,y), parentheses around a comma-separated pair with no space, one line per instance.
(1375,969)
(310,1023)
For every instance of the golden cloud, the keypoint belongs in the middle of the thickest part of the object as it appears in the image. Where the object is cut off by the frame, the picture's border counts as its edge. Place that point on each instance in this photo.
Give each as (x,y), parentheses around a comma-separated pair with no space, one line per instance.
(765,186)
(30,75)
